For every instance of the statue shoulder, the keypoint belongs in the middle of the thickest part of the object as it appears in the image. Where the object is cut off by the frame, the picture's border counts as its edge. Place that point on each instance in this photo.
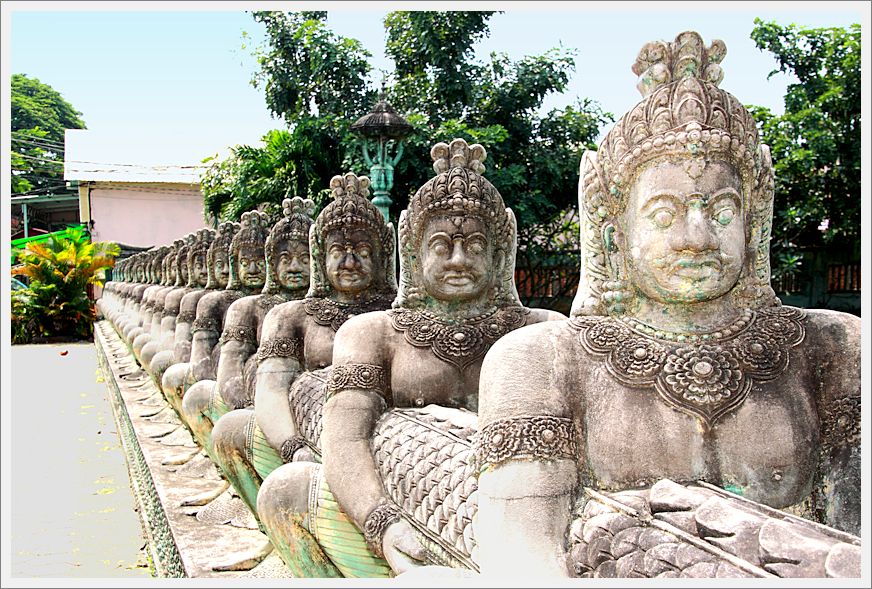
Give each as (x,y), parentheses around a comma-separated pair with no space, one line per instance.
(213,302)
(190,300)
(362,338)
(539,315)
(241,310)
(283,320)
(521,372)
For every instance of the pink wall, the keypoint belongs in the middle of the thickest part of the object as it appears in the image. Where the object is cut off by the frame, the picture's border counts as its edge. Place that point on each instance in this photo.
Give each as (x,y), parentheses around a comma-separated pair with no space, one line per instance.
(144,214)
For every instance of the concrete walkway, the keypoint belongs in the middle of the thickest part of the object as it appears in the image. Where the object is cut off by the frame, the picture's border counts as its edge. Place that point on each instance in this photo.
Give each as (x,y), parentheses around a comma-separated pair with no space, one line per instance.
(72,508)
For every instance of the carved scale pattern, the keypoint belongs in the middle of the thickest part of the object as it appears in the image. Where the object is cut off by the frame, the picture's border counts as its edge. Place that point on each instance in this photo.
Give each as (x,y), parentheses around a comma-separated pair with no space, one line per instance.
(706,378)
(329,312)
(307,396)
(677,531)
(428,469)
(462,343)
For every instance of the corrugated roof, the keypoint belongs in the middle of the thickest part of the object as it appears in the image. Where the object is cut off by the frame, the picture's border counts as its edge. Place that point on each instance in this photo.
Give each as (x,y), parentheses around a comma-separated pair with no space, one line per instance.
(88,156)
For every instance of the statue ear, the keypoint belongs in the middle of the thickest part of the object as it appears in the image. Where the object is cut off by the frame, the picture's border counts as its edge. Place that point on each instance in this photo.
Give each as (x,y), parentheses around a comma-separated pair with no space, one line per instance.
(612,242)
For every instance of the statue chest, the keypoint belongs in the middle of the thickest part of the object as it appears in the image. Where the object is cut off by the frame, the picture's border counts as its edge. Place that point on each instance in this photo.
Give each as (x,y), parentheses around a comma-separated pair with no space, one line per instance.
(317,346)
(763,448)
(418,378)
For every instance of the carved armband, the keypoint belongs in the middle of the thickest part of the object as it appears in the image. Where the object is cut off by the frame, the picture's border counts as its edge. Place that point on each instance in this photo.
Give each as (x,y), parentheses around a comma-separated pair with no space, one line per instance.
(375,525)
(185,317)
(840,424)
(240,333)
(368,377)
(283,347)
(204,324)
(290,446)
(538,437)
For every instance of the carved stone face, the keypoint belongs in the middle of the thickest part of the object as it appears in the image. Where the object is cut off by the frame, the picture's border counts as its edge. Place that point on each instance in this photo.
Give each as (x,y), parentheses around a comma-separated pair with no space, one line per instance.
(252,266)
(292,267)
(201,274)
(222,269)
(184,269)
(351,260)
(457,258)
(171,271)
(685,231)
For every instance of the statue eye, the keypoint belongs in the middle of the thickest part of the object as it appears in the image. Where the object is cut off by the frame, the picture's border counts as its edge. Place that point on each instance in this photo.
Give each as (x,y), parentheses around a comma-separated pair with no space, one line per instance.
(477,246)
(725,216)
(363,251)
(662,218)
(440,248)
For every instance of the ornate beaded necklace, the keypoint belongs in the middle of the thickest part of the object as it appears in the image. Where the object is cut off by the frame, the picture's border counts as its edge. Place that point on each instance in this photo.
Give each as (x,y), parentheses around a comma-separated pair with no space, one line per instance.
(459,343)
(705,375)
(333,313)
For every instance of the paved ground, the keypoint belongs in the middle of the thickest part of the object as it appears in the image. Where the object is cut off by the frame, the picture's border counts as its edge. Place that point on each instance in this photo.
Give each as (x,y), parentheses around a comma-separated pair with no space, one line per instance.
(72,507)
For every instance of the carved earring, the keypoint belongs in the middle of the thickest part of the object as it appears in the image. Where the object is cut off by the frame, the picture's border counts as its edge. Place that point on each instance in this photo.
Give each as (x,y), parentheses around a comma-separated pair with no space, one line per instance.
(616,293)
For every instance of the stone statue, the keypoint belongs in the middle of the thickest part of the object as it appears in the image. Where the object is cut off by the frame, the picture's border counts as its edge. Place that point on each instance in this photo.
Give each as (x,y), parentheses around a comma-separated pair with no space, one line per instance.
(287,263)
(353,272)
(194,267)
(169,272)
(156,276)
(416,365)
(176,378)
(131,315)
(679,361)
(172,297)
(247,277)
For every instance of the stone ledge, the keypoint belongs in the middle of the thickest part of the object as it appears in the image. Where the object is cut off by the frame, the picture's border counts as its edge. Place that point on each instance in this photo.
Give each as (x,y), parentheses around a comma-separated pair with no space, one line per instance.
(156,446)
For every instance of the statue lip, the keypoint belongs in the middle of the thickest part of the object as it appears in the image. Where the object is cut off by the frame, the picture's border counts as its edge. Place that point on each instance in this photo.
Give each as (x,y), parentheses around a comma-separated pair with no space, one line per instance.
(695,267)
(457,278)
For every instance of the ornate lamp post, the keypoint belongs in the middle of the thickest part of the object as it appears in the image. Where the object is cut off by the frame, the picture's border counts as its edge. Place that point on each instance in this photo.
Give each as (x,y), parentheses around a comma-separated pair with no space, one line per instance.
(381,126)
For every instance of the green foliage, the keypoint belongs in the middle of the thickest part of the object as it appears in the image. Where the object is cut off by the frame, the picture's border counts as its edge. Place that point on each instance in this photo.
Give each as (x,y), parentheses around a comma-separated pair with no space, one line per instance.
(39,117)
(315,80)
(816,143)
(308,70)
(59,271)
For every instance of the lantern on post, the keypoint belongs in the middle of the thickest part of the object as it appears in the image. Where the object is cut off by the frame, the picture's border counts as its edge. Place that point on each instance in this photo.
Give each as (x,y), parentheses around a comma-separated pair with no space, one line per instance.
(383,129)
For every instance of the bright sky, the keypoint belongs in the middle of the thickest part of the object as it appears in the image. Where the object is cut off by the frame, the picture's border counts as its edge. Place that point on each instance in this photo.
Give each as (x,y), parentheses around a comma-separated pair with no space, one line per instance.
(169,82)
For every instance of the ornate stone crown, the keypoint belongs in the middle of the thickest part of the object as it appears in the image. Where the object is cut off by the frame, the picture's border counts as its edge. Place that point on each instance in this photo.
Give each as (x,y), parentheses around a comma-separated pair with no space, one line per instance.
(200,247)
(293,226)
(221,241)
(253,231)
(351,210)
(683,116)
(458,189)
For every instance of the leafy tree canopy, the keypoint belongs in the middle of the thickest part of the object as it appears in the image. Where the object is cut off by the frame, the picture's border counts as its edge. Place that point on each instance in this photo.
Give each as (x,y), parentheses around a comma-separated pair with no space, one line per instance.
(816,142)
(316,81)
(39,117)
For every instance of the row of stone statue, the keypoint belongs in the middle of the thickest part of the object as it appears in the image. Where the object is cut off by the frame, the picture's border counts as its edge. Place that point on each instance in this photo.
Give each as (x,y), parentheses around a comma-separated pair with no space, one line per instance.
(376,430)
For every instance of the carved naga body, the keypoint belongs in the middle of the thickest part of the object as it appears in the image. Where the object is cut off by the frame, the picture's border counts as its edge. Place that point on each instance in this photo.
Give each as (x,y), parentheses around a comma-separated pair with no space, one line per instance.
(403,390)
(353,273)
(679,361)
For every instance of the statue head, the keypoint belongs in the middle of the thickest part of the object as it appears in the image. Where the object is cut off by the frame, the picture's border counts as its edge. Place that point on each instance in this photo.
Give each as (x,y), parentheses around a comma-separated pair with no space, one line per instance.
(352,247)
(677,202)
(156,267)
(247,257)
(287,248)
(457,238)
(181,261)
(169,263)
(218,255)
(198,269)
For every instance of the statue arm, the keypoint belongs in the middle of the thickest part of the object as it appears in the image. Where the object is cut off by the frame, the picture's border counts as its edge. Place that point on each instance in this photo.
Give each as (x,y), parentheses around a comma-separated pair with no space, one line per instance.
(276,370)
(238,343)
(525,500)
(399,153)
(204,338)
(836,342)
(350,415)
(366,157)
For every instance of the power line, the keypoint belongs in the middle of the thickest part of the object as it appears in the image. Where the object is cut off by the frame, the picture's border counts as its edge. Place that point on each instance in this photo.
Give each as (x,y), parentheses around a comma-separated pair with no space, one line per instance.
(23,137)
(39,144)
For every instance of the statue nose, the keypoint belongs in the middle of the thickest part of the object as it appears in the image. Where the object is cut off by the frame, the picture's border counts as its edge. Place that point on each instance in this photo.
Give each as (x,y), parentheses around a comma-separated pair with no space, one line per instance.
(697,234)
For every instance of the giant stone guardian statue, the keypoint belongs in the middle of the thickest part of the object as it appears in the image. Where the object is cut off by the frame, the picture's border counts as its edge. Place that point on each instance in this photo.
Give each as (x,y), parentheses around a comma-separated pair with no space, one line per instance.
(679,362)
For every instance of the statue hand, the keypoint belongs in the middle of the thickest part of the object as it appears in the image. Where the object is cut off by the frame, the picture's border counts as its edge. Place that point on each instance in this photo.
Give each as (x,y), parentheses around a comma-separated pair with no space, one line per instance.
(401,547)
